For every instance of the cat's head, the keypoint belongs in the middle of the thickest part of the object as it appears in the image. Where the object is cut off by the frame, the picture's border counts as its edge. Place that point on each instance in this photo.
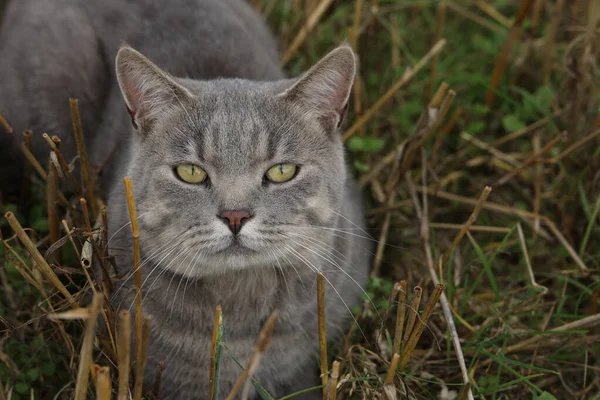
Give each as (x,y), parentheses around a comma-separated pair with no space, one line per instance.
(231,173)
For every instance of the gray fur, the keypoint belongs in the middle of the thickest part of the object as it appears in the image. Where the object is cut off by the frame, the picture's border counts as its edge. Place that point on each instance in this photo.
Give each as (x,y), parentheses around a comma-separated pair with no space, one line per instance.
(235,127)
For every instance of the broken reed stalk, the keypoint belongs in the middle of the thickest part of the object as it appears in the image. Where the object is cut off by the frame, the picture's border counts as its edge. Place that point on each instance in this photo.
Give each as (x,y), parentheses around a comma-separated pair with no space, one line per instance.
(54,143)
(389,378)
(87,252)
(124,353)
(83,158)
(27,134)
(140,363)
(37,257)
(51,203)
(85,359)
(5,125)
(400,317)
(413,311)
(262,344)
(544,289)
(322,330)
(335,375)
(306,28)
(421,324)
(531,160)
(381,243)
(505,52)
(158,380)
(482,199)
(406,77)
(103,383)
(213,352)
(137,273)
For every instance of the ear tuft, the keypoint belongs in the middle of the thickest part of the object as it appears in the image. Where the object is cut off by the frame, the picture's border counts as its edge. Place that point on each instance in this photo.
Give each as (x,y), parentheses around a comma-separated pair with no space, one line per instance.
(324,89)
(147,89)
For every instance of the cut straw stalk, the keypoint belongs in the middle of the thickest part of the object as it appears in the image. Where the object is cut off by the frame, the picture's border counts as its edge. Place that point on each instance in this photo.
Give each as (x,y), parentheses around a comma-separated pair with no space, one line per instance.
(400,317)
(482,199)
(103,383)
(81,150)
(306,28)
(158,380)
(5,125)
(421,324)
(413,311)
(54,145)
(262,344)
(124,353)
(85,359)
(406,77)
(505,52)
(322,321)
(212,395)
(335,375)
(37,257)
(51,200)
(141,359)
(137,273)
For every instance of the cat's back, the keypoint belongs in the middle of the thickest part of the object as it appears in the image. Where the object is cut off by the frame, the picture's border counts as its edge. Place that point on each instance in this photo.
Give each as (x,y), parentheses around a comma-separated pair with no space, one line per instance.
(53,50)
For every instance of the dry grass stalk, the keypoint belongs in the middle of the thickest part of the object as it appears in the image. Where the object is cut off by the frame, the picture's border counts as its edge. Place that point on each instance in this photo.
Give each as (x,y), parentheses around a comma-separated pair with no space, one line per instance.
(439,140)
(400,317)
(137,273)
(103,383)
(141,359)
(322,321)
(335,374)
(531,160)
(466,13)
(306,28)
(87,252)
(472,228)
(27,136)
(81,150)
(51,203)
(389,378)
(544,289)
(439,23)
(383,236)
(34,162)
(213,352)
(492,12)
(505,53)
(421,324)
(575,146)
(158,380)
(482,199)
(5,125)
(406,77)
(490,149)
(262,344)
(124,353)
(550,40)
(413,311)
(54,143)
(37,257)
(585,270)
(85,360)
(528,129)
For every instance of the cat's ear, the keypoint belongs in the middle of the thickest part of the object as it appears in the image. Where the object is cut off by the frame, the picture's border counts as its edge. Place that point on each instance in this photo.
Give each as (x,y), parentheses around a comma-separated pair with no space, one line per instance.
(324,89)
(147,89)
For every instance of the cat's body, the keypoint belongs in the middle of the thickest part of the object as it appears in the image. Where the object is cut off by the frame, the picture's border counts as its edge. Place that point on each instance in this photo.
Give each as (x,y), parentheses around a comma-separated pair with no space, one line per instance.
(233,130)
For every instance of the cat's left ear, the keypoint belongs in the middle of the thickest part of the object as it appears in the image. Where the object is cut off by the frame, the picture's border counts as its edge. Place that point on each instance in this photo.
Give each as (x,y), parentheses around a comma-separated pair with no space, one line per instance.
(325,88)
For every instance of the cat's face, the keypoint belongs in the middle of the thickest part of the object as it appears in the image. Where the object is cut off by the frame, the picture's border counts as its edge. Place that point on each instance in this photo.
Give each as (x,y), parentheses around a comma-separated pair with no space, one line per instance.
(231,174)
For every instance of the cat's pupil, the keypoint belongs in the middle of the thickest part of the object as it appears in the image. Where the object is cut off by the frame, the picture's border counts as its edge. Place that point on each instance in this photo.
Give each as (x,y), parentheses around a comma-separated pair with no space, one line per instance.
(281,169)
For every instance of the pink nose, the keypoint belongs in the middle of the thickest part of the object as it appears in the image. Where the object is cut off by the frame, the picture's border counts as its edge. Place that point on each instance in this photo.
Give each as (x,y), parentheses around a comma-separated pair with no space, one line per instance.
(235,220)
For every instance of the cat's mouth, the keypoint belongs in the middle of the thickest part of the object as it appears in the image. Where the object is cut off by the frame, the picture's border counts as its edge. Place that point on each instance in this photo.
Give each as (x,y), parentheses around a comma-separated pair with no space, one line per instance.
(236,246)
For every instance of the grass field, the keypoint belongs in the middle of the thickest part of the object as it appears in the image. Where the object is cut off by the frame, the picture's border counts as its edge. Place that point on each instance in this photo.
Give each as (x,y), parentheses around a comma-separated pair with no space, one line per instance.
(474,129)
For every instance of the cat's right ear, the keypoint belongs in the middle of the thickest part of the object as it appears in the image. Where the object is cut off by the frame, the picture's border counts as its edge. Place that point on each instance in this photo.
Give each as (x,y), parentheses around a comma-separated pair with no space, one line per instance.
(147,89)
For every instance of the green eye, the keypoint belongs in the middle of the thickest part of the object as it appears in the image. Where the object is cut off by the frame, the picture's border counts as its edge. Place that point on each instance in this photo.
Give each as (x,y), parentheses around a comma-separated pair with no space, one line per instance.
(281,172)
(191,173)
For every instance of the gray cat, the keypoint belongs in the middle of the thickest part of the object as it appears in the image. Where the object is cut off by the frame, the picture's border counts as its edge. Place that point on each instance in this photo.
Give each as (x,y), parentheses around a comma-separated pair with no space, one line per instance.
(241,186)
